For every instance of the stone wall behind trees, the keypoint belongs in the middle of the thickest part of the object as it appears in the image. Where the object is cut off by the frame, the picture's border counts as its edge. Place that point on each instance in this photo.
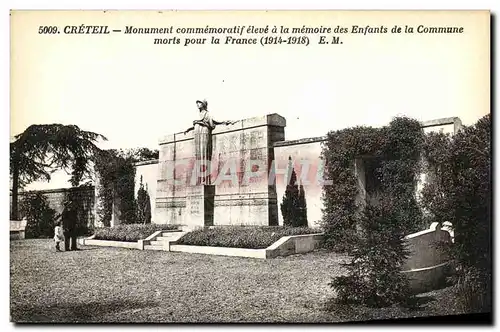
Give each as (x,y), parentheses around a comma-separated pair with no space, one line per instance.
(55,198)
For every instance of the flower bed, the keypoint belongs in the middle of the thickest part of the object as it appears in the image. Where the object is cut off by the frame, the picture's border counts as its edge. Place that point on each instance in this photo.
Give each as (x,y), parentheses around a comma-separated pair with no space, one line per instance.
(241,236)
(131,232)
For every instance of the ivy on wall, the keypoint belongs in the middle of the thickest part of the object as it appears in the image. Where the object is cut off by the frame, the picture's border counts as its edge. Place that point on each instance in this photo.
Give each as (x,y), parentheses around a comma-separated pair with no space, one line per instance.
(435,196)
(39,215)
(340,204)
(391,158)
(116,177)
(371,229)
(80,201)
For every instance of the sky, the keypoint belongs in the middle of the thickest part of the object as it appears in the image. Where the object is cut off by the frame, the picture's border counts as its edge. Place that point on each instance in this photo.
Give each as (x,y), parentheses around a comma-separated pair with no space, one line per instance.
(134,92)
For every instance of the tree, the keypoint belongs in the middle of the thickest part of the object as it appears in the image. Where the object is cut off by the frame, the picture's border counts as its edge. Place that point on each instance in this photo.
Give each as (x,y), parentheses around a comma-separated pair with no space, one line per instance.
(143,205)
(301,219)
(41,149)
(143,154)
(374,275)
(147,206)
(116,172)
(470,201)
(39,215)
(293,207)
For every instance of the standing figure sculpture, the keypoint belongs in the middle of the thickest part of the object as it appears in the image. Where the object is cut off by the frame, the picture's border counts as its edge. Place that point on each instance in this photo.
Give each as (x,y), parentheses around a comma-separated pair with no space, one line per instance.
(203,138)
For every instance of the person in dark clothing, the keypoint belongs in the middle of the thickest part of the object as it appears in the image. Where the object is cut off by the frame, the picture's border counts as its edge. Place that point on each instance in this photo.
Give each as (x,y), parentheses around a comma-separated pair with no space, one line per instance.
(69,221)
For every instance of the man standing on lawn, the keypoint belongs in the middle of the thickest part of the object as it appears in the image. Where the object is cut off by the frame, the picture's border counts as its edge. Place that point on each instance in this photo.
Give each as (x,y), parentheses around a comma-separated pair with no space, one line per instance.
(69,218)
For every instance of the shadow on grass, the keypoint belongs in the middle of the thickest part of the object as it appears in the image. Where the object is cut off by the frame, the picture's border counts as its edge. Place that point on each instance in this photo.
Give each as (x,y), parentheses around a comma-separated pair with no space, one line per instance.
(74,312)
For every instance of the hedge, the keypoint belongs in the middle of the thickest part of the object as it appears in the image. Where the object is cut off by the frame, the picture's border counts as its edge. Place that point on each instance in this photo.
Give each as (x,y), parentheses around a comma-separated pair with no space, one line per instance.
(459,191)
(130,232)
(241,236)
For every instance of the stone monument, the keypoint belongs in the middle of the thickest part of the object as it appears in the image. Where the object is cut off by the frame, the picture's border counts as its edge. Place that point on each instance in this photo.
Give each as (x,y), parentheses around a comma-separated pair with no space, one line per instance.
(229,162)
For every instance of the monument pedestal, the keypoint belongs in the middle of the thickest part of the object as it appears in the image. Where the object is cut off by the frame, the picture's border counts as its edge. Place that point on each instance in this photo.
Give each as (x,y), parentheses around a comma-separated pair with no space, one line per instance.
(200,206)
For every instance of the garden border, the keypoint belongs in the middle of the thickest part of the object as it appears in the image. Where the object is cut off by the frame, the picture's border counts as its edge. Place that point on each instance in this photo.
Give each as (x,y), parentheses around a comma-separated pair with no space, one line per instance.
(285,246)
(140,244)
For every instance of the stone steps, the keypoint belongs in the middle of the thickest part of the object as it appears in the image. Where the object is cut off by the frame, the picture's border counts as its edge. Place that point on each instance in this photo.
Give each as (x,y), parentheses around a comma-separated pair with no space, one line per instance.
(161,241)
(152,247)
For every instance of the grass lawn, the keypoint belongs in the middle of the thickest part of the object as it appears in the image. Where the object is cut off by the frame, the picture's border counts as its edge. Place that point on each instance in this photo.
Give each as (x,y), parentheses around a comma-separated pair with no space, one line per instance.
(99,284)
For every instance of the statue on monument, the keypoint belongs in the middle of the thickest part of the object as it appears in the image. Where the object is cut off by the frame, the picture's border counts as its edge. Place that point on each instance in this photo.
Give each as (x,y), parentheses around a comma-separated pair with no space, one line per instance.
(203,128)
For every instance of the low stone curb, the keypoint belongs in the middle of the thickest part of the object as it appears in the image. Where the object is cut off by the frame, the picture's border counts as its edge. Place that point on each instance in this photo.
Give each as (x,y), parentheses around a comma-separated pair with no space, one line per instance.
(107,243)
(91,241)
(287,245)
(219,251)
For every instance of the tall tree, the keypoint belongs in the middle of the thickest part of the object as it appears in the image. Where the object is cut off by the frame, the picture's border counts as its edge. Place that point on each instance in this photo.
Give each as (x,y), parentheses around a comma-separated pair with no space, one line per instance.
(143,205)
(302,208)
(116,172)
(42,149)
(293,207)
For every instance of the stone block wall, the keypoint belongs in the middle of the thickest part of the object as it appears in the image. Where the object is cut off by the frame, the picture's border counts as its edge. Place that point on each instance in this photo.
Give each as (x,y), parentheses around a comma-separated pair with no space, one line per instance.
(55,199)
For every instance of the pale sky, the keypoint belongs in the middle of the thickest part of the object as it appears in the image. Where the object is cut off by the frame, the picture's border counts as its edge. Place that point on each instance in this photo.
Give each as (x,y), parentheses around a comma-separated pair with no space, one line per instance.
(134,92)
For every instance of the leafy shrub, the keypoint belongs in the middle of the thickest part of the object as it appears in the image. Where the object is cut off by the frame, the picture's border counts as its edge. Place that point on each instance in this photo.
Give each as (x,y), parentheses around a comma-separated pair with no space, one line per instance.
(130,233)
(460,192)
(374,273)
(241,236)
(40,217)
(470,187)
(473,291)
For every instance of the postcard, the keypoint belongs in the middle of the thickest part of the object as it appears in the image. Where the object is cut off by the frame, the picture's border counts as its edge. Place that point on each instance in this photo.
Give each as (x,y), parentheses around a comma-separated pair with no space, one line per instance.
(175,166)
